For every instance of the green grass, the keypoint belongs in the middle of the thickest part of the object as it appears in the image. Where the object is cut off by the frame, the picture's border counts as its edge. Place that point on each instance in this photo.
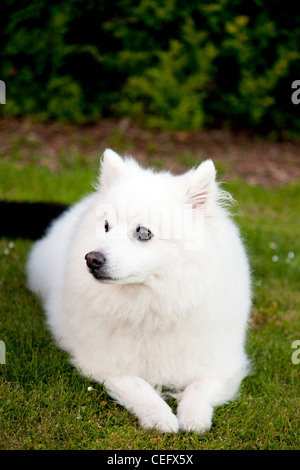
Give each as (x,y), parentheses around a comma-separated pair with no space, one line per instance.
(46,404)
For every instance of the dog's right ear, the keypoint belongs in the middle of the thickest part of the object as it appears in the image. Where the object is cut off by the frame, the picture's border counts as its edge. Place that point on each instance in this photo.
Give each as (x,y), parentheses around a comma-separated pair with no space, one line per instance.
(111,168)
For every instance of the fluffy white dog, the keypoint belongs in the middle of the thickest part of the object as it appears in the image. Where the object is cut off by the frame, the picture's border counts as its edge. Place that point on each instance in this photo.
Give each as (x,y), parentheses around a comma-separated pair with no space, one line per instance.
(146,284)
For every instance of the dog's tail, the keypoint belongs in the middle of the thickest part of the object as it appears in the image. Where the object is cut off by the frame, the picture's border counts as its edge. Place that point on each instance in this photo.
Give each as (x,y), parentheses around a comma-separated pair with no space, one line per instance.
(27,219)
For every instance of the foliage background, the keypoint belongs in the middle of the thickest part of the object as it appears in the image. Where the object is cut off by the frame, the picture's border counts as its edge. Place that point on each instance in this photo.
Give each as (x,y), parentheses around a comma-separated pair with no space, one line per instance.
(173,64)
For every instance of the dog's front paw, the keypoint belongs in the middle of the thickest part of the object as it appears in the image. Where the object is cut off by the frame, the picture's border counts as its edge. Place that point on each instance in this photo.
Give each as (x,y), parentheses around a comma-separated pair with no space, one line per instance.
(162,422)
(195,420)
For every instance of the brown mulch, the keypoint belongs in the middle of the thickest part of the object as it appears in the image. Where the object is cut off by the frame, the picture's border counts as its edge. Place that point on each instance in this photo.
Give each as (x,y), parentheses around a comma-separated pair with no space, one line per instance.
(255,160)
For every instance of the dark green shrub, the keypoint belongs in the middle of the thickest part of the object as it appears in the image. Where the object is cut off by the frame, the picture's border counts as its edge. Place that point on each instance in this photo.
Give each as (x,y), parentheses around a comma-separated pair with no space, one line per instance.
(172,64)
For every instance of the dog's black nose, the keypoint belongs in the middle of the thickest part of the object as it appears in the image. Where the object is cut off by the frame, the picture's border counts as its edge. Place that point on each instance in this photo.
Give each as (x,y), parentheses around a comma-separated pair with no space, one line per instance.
(95,260)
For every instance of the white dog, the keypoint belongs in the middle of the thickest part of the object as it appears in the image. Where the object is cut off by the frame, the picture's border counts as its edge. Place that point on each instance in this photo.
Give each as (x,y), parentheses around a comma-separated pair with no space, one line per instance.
(146,284)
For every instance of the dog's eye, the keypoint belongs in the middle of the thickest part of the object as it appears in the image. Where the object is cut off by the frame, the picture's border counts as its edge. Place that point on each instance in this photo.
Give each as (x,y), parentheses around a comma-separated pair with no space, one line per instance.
(143,233)
(106,226)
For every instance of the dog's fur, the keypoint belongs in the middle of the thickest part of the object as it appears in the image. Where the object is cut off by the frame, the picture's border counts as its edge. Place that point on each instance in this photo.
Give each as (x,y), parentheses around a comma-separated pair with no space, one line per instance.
(164,312)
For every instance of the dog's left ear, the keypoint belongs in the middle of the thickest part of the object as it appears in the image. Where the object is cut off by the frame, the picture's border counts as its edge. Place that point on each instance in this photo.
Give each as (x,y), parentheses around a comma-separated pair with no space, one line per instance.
(111,169)
(201,184)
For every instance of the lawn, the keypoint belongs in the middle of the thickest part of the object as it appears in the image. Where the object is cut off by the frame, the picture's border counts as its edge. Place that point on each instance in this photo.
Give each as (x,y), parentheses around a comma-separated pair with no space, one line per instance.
(46,404)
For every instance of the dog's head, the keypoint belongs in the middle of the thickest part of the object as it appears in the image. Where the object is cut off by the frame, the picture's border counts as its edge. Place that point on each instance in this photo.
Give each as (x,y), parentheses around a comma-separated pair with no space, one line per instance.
(149,225)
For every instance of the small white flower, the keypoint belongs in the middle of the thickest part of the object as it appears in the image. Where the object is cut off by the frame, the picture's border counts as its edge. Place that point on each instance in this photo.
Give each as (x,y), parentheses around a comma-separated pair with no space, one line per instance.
(275,258)
(291,255)
(273,245)
(11,244)
(6,251)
